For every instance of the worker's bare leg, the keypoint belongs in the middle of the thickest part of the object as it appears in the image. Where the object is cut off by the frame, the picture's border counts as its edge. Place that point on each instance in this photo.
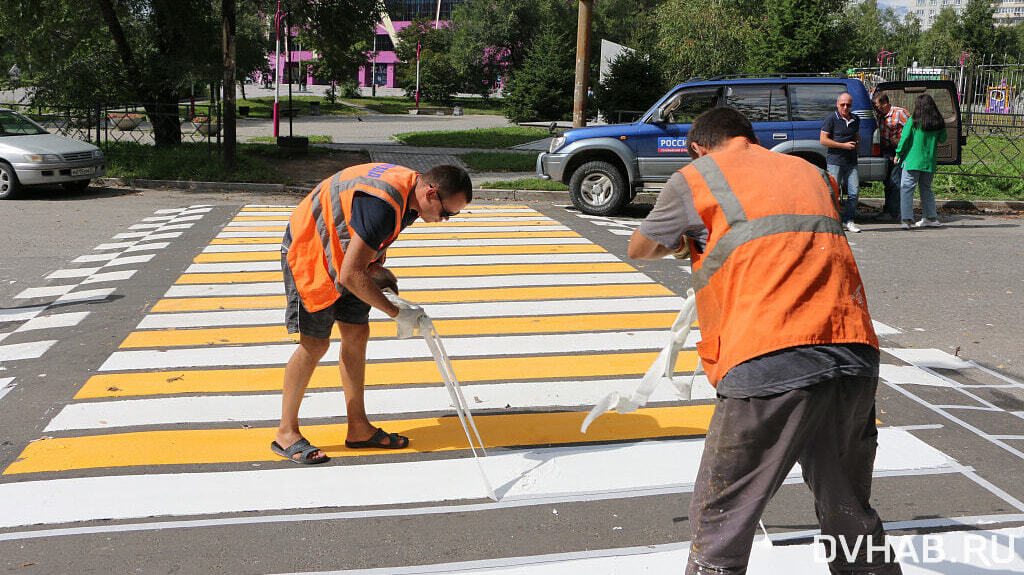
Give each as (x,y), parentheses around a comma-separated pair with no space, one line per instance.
(353,379)
(296,377)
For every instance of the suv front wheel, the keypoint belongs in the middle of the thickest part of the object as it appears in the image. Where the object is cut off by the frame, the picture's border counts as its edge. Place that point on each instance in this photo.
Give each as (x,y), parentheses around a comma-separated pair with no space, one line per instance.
(598,189)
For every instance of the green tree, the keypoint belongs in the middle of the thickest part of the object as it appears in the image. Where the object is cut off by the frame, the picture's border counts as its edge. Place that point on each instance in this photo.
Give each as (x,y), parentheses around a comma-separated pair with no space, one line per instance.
(438,78)
(703,38)
(942,43)
(866,32)
(800,36)
(542,88)
(977,28)
(901,35)
(339,31)
(633,83)
(628,22)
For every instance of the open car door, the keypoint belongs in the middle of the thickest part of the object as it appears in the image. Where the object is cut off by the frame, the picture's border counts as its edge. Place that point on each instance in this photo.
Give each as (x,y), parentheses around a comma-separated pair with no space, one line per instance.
(903,93)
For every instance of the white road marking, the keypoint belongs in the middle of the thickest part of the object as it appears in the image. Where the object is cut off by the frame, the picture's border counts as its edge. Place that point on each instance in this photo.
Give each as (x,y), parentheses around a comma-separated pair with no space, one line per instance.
(54,320)
(94,258)
(147,246)
(48,291)
(86,295)
(6,385)
(29,350)
(114,246)
(882,329)
(72,273)
(174,227)
(274,247)
(109,276)
(278,354)
(127,260)
(436,311)
(928,358)
(20,313)
(910,374)
(568,472)
(394,262)
(161,236)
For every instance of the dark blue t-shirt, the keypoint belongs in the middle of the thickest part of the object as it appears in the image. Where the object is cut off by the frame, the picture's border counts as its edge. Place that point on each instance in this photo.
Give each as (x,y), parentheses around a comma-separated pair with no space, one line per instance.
(797,367)
(374,219)
(839,130)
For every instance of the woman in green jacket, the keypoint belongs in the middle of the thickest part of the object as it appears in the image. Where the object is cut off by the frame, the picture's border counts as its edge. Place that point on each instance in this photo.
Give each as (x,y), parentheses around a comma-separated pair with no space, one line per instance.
(924,131)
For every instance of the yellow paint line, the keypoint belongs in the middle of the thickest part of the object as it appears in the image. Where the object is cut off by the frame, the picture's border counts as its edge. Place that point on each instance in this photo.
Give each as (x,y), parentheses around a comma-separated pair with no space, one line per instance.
(427,296)
(417,251)
(525,222)
(427,435)
(386,329)
(255,229)
(461,217)
(426,272)
(430,236)
(413,372)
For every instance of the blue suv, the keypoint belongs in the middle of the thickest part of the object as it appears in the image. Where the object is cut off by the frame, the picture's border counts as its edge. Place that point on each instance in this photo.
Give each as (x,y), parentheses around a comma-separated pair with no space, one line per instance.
(605,166)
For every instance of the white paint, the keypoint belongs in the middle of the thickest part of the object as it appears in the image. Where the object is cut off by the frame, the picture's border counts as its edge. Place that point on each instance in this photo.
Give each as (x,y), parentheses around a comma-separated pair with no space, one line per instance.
(882,329)
(109,276)
(379,401)
(3,336)
(198,210)
(130,235)
(158,218)
(72,273)
(534,474)
(394,262)
(147,246)
(904,374)
(928,358)
(187,218)
(86,295)
(30,350)
(174,227)
(144,226)
(455,222)
(459,229)
(622,232)
(54,320)
(436,311)
(226,234)
(128,260)
(115,246)
(278,354)
(276,247)
(48,291)
(6,385)
(170,211)
(20,313)
(94,258)
(163,236)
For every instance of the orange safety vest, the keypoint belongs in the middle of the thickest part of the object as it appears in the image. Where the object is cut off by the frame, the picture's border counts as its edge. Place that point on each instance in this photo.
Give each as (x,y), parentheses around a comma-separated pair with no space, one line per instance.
(777,271)
(320,228)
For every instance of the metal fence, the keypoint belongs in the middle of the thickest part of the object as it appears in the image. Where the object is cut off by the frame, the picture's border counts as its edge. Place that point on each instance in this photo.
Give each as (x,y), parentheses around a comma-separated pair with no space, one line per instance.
(991,103)
(110,125)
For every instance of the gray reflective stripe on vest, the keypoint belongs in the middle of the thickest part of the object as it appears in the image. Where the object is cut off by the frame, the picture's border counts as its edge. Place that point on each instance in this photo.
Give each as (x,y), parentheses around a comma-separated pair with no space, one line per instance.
(374,183)
(720,189)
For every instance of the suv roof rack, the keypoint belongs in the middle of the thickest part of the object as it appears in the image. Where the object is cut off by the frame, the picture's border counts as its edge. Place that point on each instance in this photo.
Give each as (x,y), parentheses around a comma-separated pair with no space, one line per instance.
(780,75)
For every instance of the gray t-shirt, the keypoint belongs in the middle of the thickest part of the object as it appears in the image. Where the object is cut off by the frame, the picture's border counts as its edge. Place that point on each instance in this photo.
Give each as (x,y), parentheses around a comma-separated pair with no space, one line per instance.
(673,217)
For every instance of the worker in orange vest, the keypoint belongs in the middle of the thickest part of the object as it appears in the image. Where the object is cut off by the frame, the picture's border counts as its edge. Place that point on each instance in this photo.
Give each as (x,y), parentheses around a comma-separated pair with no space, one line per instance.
(785,337)
(332,256)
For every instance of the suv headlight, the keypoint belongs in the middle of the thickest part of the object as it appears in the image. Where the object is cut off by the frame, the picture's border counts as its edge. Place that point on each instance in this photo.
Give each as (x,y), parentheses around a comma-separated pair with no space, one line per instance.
(97,153)
(41,158)
(556,143)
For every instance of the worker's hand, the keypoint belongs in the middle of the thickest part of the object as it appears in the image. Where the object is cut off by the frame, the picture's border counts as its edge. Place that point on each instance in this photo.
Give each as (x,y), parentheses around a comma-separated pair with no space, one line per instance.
(408,321)
(383,277)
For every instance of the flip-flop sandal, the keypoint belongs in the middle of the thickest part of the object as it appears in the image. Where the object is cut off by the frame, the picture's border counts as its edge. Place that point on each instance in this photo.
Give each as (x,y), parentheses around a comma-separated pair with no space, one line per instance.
(395,441)
(302,446)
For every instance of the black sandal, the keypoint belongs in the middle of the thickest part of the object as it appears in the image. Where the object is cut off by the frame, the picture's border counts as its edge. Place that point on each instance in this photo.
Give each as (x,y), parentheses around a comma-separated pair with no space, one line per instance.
(395,441)
(302,446)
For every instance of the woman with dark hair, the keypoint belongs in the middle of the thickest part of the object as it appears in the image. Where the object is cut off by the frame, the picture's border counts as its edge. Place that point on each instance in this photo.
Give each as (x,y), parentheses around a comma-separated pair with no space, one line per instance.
(924,131)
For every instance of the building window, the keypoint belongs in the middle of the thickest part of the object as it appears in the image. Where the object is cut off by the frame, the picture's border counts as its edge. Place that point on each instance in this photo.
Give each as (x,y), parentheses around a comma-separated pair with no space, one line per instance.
(384,43)
(402,10)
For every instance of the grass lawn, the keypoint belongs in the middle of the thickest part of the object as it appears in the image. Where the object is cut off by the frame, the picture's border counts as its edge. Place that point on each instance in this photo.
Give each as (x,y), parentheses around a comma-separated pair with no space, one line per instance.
(272,140)
(264,107)
(480,138)
(402,105)
(257,163)
(526,184)
(499,161)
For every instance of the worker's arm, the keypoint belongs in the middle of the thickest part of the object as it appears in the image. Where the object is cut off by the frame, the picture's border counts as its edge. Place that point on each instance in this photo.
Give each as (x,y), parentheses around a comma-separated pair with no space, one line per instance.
(356,276)
(643,248)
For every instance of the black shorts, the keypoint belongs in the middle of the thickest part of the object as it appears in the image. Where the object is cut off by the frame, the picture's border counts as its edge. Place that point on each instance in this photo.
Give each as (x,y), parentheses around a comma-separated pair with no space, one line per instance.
(346,309)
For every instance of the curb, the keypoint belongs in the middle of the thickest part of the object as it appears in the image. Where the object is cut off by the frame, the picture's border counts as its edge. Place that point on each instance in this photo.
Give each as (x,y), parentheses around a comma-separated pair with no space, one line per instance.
(514,195)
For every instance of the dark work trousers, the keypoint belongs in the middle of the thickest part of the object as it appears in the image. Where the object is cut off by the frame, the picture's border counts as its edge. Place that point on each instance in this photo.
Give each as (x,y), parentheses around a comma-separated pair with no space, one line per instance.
(751,446)
(893,174)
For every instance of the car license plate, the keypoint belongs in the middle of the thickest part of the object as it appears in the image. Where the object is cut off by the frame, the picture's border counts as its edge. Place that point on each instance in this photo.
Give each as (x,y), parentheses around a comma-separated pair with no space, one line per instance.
(83,171)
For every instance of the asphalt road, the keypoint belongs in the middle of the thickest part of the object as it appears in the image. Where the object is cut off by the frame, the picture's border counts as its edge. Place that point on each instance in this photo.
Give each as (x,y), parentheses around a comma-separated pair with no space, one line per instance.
(136,402)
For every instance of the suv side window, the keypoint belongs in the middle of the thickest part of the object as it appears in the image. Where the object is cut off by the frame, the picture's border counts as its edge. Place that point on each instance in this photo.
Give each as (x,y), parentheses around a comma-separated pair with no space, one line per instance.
(688,104)
(759,102)
(812,102)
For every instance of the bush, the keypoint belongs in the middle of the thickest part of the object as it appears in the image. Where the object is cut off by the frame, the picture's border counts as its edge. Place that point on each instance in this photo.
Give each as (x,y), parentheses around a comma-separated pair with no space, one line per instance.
(543,88)
(348,89)
(633,83)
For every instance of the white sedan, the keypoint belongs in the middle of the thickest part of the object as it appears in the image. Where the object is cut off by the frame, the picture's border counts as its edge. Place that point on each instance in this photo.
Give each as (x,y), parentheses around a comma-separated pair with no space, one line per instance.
(31,156)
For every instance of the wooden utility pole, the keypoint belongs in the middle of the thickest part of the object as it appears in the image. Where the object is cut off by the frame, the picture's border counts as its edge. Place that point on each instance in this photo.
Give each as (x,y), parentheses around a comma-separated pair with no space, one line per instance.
(228,11)
(579,99)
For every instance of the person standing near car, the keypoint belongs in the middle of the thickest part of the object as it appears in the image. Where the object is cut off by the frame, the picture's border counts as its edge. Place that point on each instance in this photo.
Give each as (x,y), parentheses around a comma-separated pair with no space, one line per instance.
(840,133)
(786,338)
(332,256)
(891,120)
(924,131)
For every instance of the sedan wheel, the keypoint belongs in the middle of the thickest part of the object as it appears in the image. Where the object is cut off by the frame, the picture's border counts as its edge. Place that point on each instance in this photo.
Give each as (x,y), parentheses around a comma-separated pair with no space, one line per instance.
(8,182)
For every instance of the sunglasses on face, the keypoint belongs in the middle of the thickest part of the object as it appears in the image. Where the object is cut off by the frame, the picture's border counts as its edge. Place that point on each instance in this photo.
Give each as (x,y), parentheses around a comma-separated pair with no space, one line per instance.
(444,209)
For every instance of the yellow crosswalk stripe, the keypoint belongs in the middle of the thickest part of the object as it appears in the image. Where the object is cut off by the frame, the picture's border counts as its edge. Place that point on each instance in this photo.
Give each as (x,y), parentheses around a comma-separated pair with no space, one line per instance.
(418,225)
(430,236)
(460,217)
(412,372)
(394,252)
(387,329)
(426,272)
(436,434)
(424,296)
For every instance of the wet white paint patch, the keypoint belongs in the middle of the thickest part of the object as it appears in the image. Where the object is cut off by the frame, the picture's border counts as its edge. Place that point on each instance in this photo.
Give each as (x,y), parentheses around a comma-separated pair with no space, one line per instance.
(928,358)
(29,350)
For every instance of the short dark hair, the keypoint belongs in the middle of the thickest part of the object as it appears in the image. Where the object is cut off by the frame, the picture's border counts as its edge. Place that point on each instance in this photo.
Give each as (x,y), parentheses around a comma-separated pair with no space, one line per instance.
(926,114)
(881,98)
(718,125)
(450,180)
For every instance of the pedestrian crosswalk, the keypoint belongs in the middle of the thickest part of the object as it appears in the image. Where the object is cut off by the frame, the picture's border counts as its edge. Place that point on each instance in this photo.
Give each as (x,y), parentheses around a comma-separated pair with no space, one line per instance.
(540,324)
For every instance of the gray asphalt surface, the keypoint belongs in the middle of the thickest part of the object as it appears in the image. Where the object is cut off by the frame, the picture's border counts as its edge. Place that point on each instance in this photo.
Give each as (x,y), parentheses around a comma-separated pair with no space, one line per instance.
(960,286)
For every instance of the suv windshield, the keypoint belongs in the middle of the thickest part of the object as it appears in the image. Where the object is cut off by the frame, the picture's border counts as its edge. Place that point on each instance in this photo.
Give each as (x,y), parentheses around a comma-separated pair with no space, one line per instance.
(14,124)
